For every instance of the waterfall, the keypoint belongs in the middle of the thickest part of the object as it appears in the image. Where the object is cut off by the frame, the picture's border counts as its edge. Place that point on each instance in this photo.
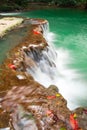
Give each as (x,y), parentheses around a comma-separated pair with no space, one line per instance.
(50,66)
(46,67)
(45,29)
(41,63)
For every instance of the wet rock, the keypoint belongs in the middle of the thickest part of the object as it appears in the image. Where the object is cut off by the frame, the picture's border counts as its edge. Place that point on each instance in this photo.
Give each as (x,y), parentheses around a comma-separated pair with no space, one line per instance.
(53,88)
(82,117)
(37,21)
(4,119)
(32,99)
(29,58)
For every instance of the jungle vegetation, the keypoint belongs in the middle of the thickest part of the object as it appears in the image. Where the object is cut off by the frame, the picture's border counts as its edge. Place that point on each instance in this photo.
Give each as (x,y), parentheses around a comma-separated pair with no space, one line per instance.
(11,5)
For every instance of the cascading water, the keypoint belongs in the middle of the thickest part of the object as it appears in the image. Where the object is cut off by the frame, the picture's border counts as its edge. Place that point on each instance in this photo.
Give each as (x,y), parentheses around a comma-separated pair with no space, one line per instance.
(45,28)
(52,68)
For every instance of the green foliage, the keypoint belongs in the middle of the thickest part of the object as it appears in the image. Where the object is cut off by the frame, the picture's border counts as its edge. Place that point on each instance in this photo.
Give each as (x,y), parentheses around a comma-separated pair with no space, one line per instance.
(70,2)
(10,5)
(6,8)
(66,2)
(81,2)
(21,2)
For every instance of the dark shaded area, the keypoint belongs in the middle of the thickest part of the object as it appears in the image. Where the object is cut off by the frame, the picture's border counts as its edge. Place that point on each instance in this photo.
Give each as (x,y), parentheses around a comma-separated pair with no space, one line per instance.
(16,5)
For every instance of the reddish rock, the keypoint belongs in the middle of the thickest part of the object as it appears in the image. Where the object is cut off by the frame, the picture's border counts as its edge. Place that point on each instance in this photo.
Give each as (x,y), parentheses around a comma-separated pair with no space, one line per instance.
(33,99)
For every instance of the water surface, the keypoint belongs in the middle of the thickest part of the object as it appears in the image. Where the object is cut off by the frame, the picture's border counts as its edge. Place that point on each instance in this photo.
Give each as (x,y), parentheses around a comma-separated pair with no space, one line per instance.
(9,41)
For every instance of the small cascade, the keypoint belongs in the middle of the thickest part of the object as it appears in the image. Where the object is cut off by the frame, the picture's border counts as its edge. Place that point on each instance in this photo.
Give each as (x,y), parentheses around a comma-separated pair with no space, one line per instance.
(39,59)
(42,25)
(45,58)
(45,28)
(42,61)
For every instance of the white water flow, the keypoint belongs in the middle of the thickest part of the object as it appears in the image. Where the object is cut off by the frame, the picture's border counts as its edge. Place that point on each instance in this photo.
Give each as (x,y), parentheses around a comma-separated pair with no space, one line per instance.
(68,80)
(53,69)
(9,14)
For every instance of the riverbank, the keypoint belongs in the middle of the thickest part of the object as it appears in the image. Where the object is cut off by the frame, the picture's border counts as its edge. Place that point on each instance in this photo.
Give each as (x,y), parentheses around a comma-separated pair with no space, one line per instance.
(9,23)
(27,102)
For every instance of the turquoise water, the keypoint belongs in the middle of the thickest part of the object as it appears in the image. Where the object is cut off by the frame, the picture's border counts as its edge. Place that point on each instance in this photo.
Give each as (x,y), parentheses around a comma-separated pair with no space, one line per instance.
(9,41)
(69,27)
